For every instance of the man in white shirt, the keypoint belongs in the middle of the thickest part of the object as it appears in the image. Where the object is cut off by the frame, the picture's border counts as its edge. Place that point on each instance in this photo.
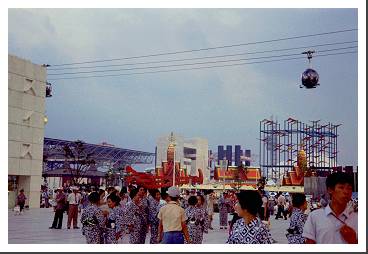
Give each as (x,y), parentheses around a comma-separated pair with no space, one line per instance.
(74,199)
(281,202)
(337,222)
(172,227)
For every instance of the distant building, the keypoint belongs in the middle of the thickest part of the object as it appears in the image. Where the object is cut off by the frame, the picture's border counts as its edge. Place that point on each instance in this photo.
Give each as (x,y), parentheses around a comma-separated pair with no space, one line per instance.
(233,159)
(238,153)
(229,154)
(192,153)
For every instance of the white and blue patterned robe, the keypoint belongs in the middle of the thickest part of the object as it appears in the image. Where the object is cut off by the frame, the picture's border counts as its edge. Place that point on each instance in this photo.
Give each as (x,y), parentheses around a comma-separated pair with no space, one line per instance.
(93,224)
(154,208)
(223,205)
(114,225)
(196,222)
(254,233)
(134,221)
(297,221)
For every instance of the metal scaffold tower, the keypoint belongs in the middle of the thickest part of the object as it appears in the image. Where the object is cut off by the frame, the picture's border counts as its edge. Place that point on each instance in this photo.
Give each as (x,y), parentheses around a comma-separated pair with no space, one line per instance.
(279,146)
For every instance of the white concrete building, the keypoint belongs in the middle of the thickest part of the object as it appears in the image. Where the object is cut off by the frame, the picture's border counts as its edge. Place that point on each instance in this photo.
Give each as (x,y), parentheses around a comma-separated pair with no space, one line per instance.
(26,114)
(191,153)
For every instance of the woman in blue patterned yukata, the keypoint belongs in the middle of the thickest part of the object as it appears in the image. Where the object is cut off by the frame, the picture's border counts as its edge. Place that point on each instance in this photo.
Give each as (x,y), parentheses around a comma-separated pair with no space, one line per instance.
(114,222)
(154,208)
(195,219)
(223,205)
(93,220)
(298,219)
(133,219)
(249,229)
(201,204)
(144,207)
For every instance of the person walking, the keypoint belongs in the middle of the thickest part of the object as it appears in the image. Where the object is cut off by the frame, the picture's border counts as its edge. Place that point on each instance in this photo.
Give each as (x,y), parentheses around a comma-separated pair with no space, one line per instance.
(297,219)
(45,198)
(337,222)
(114,220)
(202,206)
(133,219)
(74,199)
(172,225)
(144,208)
(281,202)
(223,205)
(210,209)
(60,200)
(93,221)
(84,202)
(154,208)
(195,221)
(21,200)
(264,213)
(249,229)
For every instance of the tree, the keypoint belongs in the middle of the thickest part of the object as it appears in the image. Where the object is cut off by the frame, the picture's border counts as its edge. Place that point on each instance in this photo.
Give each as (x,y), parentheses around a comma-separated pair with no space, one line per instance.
(77,160)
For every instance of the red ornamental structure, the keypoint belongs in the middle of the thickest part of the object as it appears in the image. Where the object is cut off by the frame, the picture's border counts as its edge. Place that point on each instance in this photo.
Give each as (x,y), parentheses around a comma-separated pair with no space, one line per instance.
(163,176)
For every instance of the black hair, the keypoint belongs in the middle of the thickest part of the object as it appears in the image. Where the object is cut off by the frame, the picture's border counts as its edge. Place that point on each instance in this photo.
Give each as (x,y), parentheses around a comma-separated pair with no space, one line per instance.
(250,201)
(110,189)
(164,195)
(94,197)
(192,200)
(133,193)
(202,198)
(298,199)
(101,191)
(123,190)
(339,178)
(141,186)
(153,192)
(114,198)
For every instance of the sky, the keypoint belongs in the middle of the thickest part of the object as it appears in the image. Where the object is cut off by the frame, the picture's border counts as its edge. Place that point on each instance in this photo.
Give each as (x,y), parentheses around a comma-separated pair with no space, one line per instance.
(223,105)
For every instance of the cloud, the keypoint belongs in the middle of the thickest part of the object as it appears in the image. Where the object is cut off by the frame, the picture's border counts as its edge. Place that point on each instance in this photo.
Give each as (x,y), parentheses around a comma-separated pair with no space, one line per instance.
(224,105)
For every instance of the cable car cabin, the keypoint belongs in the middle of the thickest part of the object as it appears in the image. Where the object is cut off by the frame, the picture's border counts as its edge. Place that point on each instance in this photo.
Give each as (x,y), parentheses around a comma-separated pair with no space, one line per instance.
(310,79)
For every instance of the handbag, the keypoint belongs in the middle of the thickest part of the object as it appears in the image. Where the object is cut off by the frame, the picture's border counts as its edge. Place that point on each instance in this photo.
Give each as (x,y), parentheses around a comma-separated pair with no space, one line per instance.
(17,209)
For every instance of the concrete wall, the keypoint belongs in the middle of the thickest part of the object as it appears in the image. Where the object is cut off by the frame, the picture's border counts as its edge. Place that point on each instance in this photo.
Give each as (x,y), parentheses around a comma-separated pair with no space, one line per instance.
(26,112)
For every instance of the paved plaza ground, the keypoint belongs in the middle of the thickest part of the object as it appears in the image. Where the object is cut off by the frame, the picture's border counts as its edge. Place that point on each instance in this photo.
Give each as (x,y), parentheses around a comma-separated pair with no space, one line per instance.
(32,227)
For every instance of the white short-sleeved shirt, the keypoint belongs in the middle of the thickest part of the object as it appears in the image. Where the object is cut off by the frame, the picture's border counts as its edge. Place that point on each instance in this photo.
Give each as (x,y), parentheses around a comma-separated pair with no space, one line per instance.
(323,227)
(74,198)
(171,215)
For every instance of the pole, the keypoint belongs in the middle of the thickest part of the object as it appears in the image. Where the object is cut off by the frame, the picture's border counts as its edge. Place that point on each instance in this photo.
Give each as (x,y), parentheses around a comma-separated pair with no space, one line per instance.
(174,166)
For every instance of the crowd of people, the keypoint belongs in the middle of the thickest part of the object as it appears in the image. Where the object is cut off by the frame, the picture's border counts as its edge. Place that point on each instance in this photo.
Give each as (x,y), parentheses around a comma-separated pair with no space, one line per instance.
(172,216)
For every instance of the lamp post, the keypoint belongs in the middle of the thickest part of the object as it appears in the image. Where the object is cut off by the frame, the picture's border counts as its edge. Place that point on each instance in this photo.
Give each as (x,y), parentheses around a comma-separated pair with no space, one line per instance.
(223,167)
(173,144)
(174,163)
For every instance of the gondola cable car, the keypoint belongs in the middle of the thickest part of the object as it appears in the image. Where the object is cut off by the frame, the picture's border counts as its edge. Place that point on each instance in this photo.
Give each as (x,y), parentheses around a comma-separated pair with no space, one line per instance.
(309,77)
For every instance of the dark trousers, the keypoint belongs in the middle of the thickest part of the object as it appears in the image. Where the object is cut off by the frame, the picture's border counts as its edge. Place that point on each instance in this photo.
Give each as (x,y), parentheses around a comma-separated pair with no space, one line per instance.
(58,219)
(21,206)
(262,214)
(280,210)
